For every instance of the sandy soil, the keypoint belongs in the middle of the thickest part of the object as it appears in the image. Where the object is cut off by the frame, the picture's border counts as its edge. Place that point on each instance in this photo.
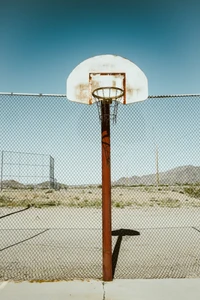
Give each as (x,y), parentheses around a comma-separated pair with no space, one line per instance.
(133,197)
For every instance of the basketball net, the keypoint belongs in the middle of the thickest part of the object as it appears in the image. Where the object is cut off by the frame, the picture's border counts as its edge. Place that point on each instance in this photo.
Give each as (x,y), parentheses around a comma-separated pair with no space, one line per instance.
(108,95)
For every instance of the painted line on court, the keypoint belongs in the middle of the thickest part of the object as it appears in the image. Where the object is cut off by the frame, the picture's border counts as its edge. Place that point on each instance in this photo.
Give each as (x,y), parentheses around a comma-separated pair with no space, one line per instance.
(2,286)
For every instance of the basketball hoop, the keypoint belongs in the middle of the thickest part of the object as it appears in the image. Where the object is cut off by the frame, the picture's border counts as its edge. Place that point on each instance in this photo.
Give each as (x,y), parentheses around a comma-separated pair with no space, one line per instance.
(107,80)
(108,95)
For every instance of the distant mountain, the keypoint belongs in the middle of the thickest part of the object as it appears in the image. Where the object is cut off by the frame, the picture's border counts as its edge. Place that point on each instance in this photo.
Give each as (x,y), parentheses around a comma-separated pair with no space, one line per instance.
(13,184)
(180,175)
(43,185)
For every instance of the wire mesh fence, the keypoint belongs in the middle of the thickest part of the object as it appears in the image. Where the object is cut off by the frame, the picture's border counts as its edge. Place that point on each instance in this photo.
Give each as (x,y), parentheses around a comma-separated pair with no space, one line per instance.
(21,170)
(51,234)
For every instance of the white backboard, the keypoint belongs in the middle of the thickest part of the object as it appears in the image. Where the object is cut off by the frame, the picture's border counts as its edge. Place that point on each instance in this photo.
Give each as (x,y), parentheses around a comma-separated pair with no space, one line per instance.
(103,71)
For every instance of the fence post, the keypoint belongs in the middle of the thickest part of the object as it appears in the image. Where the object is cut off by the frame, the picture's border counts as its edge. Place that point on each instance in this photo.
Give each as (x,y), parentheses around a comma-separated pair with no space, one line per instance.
(1,170)
(51,173)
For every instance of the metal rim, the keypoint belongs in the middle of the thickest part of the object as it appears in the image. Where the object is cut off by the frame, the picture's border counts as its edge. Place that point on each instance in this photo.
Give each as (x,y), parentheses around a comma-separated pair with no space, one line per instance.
(95,93)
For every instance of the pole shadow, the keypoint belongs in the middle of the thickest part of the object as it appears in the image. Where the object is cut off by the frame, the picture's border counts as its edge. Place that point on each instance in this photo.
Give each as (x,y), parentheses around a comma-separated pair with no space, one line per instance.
(120,233)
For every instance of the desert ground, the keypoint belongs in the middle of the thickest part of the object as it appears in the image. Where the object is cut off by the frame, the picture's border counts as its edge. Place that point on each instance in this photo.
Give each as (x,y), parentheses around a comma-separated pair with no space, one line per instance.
(90,196)
(59,236)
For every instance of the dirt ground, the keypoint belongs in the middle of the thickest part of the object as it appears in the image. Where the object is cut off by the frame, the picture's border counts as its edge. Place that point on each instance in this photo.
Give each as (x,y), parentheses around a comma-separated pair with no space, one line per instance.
(133,197)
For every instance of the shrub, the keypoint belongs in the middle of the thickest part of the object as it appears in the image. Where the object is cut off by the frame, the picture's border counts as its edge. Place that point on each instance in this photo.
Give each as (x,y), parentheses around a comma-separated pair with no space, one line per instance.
(49,192)
(192,191)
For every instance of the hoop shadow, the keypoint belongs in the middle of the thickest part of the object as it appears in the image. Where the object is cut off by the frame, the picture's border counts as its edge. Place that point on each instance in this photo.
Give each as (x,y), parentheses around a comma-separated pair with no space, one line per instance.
(120,233)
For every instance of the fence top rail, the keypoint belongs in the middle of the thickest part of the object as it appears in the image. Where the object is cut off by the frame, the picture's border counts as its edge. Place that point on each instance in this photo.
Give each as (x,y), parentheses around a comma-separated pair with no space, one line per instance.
(26,153)
(32,94)
(174,95)
(64,95)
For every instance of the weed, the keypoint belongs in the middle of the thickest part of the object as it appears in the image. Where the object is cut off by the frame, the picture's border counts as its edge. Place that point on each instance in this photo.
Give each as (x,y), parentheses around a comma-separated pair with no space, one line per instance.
(5,201)
(3,198)
(41,204)
(35,196)
(85,203)
(192,191)
(168,202)
(49,191)
(91,186)
(140,204)
(148,189)
(153,199)
(120,204)
(71,203)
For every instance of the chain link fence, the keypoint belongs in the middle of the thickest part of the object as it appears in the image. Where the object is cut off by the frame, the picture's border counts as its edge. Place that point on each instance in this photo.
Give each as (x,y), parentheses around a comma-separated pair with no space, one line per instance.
(57,234)
(21,170)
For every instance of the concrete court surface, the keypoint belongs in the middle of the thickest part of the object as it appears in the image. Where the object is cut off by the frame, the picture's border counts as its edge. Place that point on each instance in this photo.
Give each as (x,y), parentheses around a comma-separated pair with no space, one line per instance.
(160,289)
(70,245)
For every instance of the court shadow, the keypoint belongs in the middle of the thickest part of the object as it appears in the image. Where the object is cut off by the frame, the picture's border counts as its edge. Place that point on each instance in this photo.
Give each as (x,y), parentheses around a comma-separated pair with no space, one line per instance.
(120,233)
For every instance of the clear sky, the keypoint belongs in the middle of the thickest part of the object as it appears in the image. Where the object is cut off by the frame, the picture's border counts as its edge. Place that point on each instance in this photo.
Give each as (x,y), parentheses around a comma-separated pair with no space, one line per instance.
(42,41)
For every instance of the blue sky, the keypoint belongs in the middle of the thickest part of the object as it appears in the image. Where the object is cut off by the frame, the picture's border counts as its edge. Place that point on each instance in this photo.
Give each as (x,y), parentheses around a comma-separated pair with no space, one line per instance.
(42,41)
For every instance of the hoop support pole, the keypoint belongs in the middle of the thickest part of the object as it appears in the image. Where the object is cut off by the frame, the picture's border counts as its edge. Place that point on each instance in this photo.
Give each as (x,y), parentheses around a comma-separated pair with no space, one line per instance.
(106,193)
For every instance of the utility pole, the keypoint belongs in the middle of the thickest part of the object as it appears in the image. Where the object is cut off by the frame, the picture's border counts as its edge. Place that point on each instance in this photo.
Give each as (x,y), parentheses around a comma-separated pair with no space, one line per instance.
(157,168)
(1,170)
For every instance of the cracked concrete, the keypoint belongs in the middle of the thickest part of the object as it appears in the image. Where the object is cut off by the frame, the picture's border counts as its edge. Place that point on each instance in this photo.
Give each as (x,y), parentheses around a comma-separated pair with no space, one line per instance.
(171,240)
(159,289)
(104,293)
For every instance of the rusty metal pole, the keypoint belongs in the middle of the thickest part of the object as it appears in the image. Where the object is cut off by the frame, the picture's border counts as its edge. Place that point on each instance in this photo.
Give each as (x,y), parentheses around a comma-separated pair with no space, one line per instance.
(106,193)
